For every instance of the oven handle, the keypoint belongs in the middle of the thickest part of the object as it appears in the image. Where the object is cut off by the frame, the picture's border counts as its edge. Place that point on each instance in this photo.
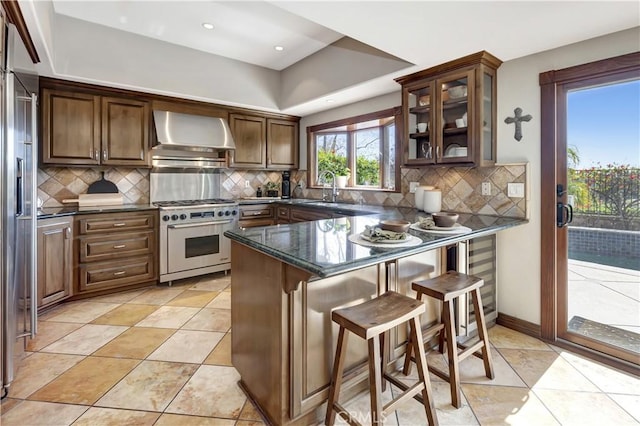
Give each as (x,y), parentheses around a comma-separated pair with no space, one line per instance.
(194,225)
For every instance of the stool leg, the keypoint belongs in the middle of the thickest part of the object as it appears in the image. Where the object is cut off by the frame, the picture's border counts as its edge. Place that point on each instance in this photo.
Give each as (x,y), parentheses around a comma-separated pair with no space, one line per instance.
(423,373)
(384,358)
(336,376)
(476,296)
(441,334)
(406,370)
(375,380)
(452,353)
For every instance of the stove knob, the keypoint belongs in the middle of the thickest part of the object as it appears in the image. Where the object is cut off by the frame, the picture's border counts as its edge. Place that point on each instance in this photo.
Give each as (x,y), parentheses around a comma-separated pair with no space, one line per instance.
(227,213)
(234,212)
(166,217)
(174,217)
(220,213)
(183,216)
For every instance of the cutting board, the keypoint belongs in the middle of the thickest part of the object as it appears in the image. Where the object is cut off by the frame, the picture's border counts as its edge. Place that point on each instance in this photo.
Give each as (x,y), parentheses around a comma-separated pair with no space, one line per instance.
(96,200)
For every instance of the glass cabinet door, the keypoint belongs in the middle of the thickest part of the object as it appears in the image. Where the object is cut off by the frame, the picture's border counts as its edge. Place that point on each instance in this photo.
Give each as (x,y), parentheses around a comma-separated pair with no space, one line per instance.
(420,122)
(455,123)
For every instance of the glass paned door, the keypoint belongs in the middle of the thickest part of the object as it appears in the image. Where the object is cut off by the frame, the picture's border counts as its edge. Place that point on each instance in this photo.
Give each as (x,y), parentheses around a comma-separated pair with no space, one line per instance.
(420,123)
(455,97)
(602,291)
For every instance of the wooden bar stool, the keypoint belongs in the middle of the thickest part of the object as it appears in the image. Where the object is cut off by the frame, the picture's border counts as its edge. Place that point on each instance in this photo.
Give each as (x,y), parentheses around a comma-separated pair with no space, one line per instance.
(446,288)
(369,320)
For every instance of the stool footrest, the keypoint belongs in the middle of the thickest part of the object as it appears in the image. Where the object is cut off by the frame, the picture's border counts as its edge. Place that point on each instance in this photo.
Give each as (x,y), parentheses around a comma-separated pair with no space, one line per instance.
(403,386)
(476,353)
(408,392)
(345,414)
(470,350)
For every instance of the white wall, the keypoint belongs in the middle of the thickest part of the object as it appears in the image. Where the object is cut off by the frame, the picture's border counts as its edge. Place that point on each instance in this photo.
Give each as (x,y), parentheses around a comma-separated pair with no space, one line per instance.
(518,248)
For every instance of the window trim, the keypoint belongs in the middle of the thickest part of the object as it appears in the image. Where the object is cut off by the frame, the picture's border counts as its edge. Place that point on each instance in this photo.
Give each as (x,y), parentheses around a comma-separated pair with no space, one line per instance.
(395,112)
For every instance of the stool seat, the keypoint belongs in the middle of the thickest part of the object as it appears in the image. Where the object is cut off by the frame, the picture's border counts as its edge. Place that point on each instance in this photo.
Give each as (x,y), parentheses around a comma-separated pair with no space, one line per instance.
(446,288)
(372,321)
(378,315)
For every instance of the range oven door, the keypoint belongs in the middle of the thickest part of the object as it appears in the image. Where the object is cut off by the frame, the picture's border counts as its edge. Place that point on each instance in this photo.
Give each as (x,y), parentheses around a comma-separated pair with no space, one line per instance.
(197,245)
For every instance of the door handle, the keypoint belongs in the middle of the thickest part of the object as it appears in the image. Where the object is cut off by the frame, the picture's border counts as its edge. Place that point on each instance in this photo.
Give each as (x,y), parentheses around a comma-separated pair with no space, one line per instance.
(564,214)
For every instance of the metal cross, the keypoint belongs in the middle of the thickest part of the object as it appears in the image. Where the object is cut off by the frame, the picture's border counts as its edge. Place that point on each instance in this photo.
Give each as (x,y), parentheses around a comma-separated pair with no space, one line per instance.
(518,119)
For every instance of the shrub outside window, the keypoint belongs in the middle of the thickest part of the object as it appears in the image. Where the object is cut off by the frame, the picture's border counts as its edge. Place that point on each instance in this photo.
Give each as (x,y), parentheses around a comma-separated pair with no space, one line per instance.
(363,148)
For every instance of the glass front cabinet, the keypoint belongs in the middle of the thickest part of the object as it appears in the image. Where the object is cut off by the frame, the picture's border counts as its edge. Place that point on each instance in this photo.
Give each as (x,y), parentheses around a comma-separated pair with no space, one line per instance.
(450,113)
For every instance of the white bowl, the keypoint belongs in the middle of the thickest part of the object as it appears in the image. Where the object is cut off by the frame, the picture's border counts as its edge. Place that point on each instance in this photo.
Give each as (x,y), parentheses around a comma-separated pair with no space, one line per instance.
(457,92)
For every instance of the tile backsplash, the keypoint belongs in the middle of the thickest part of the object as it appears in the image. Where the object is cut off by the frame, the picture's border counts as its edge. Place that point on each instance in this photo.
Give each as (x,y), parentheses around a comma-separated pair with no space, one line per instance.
(461,186)
(59,183)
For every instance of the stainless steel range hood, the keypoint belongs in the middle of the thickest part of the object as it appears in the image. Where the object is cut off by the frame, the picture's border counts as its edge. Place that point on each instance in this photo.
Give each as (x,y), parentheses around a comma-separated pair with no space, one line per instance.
(179,131)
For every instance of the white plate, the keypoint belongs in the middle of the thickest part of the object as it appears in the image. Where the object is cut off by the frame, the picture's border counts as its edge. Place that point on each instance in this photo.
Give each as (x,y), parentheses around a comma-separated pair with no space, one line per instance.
(366,238)
(451,150)
(455,229)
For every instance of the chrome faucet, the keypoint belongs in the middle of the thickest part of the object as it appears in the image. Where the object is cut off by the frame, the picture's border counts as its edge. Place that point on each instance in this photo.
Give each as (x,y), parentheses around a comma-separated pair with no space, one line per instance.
(334,190)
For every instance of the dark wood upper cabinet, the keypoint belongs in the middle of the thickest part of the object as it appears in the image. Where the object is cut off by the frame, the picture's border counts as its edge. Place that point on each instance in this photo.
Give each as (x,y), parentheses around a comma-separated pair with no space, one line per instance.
(125,132)
(282,144)
(450,113)
(86,129)
(70,128)
(264,143)
(249,134)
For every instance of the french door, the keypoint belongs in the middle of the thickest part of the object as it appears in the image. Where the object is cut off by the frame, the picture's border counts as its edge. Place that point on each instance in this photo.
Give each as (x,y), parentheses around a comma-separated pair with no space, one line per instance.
(563,317)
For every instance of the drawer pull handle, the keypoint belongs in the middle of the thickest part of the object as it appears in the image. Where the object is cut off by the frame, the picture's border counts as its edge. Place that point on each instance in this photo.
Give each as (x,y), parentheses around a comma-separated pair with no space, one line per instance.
(119,224)
(120,273)
(119,246)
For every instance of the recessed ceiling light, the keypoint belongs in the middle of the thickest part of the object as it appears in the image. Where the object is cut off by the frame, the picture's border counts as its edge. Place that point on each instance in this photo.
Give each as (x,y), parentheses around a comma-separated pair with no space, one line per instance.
(279,48)
(207,25)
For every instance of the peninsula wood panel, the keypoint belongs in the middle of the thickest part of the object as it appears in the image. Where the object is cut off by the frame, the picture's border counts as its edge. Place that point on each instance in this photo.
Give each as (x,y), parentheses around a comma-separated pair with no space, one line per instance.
(70,128)
(125,132)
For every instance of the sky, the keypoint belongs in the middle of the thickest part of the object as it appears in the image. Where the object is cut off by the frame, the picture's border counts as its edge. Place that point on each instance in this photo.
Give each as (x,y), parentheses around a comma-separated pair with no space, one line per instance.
(604,124)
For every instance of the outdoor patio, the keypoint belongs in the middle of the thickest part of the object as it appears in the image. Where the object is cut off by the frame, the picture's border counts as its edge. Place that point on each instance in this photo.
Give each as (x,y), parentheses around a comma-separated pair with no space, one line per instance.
(604,302)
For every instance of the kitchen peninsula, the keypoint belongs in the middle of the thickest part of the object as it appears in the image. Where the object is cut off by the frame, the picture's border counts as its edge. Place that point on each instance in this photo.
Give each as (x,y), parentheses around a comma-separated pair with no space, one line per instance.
(288,278)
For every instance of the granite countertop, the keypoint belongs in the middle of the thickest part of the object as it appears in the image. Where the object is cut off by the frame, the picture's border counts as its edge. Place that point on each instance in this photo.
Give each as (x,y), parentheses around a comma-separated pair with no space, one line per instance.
(322,247)
(74,209)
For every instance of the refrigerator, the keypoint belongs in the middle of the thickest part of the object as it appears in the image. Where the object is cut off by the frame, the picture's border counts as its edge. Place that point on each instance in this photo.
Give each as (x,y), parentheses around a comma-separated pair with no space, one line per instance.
(18,205)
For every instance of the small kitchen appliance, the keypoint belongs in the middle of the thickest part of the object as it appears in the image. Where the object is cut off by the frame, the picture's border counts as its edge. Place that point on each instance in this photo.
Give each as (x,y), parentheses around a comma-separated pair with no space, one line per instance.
(286,184)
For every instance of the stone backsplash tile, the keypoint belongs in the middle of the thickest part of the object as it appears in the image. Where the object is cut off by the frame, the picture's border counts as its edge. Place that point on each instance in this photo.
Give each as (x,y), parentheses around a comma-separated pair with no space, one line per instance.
(59,183)
(461,188)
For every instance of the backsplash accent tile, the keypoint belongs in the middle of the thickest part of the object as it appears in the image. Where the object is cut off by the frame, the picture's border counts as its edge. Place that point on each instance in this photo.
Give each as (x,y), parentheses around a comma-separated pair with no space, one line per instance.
(59,183)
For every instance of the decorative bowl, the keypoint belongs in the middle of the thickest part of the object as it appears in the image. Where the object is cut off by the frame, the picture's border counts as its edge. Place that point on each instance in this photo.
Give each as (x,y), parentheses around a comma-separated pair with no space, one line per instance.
(457,92)
(444,219)
(395,225)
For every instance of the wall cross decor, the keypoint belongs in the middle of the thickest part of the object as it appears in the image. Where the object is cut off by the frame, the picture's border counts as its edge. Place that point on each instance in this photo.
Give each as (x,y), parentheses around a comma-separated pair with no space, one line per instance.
(518,119)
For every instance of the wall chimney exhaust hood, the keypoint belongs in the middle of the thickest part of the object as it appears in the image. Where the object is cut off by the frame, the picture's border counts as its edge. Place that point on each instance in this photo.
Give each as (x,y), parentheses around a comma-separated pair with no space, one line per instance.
(183,131)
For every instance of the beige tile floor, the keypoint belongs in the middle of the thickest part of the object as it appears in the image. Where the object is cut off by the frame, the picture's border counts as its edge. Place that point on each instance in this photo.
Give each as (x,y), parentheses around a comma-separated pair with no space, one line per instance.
(161,356)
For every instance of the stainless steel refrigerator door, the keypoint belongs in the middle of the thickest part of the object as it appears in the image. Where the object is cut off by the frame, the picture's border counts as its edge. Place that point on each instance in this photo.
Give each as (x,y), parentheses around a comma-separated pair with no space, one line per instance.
(19,192)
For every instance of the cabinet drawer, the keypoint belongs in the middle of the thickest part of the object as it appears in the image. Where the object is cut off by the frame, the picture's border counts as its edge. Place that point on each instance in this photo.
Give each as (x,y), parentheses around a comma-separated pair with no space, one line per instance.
(98,247)
(283,212)
(103,223)
(117,273)
(255,222)
(305,215)
(255,212)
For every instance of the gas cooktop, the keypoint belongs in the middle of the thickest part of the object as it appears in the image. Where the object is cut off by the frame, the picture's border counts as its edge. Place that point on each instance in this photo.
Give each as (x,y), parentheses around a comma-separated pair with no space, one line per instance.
(195,203)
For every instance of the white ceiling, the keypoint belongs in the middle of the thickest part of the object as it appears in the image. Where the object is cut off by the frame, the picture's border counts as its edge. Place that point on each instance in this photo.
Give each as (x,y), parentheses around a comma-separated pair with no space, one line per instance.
(244,30)
(423,33)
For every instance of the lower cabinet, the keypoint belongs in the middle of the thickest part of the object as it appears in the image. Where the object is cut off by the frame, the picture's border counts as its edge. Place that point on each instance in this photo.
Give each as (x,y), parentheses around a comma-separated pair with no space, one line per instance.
(55,258)
(115,251)
(252,215)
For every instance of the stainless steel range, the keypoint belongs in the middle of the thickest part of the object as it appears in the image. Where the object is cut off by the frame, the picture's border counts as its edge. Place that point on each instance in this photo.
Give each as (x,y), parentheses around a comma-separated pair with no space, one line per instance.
(185,185)
(192,240)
